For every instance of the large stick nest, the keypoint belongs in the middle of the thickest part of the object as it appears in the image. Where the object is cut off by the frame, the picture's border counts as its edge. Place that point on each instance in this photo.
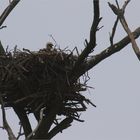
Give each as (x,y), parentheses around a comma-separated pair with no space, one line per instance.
(41,79)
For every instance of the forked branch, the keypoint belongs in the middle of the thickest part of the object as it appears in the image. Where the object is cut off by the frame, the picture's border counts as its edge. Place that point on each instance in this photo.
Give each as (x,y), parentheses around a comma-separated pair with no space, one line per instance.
(94,60)
(120,14)
(59,128)
(92,42)
(6,126)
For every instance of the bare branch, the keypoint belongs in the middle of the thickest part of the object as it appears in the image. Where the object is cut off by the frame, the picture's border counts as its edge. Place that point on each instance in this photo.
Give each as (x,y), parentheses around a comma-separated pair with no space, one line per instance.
(39,123)
(94,60)
(63,125)
(94,27)
(120,13)
(19,110)
(125,4)
(134,44)
(47,122)
(116,47)
(92,43)
(8,10)
(6,126)
(113,31)
(20,131)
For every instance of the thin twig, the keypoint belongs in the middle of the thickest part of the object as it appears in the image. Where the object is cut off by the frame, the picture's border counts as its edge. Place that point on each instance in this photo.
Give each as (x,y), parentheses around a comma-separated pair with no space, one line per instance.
(20,131)
(113,32)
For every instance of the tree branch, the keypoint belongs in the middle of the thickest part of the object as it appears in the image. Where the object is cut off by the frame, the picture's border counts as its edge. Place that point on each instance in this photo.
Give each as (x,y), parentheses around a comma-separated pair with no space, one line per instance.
(113,32)
(94,60)
(94,27)
(3,16)
(23,119)
(37,127)
(8,10)
(6,126)
(47,121)
(92,43)
(63,125)
(120,13)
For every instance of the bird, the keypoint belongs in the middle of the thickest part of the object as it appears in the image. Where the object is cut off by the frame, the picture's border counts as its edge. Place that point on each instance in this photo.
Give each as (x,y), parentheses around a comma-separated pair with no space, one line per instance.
(49,46)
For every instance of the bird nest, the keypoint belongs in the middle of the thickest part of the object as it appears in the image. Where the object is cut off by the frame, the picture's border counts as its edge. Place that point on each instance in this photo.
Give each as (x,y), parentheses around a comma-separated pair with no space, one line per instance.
(35,80)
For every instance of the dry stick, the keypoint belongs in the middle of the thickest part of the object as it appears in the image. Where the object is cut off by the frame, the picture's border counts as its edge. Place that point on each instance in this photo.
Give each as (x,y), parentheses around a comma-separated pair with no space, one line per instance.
(5,123)
(120,13)
(92,43)
(8,10)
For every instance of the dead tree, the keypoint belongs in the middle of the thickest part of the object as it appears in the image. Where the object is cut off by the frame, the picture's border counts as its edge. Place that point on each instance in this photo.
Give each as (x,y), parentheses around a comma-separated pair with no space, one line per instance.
(47,83)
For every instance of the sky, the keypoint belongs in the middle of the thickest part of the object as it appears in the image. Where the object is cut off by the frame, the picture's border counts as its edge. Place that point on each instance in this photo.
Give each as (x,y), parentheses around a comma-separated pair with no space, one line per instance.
(115,80)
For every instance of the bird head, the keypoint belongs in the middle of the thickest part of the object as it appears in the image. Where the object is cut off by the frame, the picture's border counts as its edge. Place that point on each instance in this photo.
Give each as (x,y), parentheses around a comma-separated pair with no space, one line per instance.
(49,46)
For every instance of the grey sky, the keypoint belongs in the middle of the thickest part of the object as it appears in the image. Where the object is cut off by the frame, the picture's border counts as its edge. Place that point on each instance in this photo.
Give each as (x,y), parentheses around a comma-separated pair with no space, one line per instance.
(116,79)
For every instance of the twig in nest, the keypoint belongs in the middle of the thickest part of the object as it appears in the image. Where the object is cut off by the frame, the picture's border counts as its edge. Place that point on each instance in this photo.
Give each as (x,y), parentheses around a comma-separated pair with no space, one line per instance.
(27,50)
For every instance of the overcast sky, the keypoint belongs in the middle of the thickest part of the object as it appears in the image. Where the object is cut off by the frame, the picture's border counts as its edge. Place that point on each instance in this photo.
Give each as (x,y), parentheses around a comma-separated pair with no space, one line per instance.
(116,79)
